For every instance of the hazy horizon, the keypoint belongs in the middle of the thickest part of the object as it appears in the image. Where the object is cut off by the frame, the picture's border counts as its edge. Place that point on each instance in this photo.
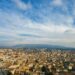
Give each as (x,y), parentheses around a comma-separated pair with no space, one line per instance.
(49,22)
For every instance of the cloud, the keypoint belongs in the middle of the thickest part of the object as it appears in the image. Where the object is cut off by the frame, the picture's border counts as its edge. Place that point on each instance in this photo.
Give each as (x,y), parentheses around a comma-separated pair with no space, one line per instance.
(51,28)
(21,30)
(29,35)
(70,31)
(57,2)
(20,4)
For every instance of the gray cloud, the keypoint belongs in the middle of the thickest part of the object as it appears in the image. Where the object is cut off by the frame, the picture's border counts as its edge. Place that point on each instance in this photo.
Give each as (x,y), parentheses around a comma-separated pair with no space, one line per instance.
(30,35)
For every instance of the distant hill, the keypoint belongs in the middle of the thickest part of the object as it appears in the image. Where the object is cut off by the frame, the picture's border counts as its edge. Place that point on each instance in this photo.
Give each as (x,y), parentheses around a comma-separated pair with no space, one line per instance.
(36,46)
(41,46)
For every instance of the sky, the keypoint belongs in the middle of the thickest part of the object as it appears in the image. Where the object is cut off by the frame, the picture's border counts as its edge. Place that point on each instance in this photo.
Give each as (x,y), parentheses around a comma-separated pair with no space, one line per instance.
(37,22)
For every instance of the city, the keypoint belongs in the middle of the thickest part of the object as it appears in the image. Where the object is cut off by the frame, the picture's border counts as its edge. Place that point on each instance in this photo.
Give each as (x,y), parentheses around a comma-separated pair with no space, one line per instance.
(37,62)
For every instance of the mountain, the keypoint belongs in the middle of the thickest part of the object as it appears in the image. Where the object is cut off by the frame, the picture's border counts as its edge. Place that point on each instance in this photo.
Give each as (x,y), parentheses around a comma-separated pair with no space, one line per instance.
(41,46)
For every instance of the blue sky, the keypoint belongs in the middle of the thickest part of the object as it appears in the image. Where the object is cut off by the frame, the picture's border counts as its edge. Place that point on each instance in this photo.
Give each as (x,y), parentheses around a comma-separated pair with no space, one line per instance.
(37,22)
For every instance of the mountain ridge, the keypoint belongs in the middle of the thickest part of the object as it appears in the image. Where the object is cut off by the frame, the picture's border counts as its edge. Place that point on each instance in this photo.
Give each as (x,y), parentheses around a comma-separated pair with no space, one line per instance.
(38,46)
(41,46)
